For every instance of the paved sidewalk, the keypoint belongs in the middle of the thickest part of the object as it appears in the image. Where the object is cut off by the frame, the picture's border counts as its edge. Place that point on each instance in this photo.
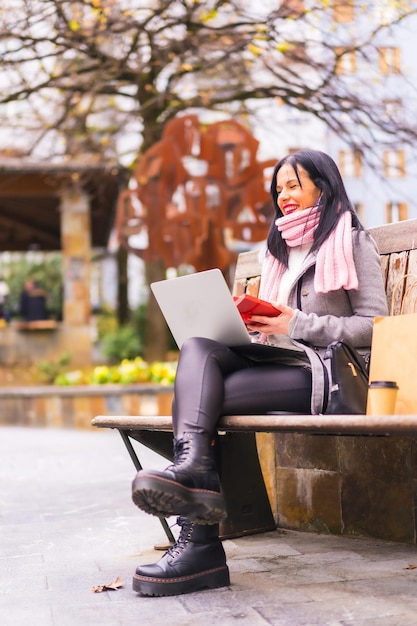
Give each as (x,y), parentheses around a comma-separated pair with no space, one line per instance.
(68,524)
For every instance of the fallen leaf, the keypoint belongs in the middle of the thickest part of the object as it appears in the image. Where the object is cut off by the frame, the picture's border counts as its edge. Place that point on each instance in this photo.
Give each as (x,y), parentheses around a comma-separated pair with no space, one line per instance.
(114,585)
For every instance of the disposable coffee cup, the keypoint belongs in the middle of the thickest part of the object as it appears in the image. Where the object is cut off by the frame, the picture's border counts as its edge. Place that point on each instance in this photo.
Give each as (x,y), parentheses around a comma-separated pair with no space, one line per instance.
(382,395)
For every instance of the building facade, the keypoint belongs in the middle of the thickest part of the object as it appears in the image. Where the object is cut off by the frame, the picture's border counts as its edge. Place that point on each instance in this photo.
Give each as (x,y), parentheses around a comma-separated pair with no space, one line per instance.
(381,180)
(380,171)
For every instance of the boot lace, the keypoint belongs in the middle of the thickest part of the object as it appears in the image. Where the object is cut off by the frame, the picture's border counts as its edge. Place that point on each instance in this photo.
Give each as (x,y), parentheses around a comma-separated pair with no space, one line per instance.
(181,450)
(183,538)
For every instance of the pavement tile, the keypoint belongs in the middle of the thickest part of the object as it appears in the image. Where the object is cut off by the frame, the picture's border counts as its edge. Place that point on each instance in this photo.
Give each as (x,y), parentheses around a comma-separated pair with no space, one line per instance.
(249,565)
(264,545)
(76,527)
(402,588)
(349,610)
(392,620)
(21,615)
(18,586)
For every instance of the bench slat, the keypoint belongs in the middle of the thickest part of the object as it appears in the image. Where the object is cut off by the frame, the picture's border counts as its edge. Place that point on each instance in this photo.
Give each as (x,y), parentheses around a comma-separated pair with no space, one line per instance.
(396,237)
(314,424)
(397,269)
(247,265)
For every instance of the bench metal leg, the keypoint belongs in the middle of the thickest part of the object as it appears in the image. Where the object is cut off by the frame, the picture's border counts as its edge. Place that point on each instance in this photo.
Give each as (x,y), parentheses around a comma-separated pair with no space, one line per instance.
(138,467)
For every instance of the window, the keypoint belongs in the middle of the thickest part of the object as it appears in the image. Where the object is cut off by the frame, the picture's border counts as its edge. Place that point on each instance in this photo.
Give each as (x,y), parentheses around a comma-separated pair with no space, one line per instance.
(396,212)
(394,163)
(360,210)
(343,11)
(389,60)
(345,61)
(350,163)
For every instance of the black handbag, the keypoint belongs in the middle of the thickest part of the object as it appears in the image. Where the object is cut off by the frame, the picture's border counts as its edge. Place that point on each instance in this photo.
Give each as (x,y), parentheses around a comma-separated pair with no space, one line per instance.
(348,378)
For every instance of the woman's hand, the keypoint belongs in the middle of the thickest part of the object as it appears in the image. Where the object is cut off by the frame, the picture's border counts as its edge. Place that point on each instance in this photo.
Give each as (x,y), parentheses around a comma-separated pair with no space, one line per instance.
(278,325)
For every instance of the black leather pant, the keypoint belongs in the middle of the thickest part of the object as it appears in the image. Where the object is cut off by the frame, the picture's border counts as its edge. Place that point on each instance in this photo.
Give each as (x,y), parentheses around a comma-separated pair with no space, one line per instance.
(213,380)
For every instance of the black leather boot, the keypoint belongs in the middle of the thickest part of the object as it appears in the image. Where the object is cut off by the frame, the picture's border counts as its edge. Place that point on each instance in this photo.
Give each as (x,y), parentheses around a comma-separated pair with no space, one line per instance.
(196,561)
(190,487)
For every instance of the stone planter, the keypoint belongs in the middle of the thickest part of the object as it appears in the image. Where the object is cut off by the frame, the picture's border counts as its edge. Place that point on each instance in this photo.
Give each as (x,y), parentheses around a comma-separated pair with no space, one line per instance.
(75,407)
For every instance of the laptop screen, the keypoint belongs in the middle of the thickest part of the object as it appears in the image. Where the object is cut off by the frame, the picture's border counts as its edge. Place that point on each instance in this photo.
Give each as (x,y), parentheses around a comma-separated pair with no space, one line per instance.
(200,305)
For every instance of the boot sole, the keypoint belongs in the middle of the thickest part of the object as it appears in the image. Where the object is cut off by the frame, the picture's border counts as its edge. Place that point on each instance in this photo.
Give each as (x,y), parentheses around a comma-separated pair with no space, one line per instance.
(163,497)
(210,579)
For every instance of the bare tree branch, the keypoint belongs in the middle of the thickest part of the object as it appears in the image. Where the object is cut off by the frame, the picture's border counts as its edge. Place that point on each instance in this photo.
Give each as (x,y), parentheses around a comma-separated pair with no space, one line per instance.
(105,64)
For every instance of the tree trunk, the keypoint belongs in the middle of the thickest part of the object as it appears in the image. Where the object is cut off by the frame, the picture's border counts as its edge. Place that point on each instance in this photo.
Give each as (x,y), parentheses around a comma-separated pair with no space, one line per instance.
(156,336)
(122,297)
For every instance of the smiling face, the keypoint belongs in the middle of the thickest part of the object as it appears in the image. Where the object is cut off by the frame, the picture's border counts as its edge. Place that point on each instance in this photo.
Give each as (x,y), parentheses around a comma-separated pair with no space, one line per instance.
(295,193)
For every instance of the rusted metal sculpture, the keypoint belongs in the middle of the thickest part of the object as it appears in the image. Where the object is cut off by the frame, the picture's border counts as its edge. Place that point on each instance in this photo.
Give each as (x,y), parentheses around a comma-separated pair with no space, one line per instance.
(198,187)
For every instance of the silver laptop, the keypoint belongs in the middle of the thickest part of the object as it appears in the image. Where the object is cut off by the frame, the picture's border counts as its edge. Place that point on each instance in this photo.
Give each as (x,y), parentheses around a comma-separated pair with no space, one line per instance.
(200,305)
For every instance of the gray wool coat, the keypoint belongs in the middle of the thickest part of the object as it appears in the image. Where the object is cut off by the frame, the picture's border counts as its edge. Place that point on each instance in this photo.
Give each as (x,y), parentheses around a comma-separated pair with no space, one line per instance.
(323,318)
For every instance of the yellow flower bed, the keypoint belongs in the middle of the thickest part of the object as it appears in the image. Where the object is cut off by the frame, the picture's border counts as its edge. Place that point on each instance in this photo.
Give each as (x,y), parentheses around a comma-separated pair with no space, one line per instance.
(125,373)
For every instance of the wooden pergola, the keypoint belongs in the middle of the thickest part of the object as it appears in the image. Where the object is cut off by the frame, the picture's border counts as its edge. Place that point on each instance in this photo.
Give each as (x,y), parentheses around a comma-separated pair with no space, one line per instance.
(31,196)
(58,207)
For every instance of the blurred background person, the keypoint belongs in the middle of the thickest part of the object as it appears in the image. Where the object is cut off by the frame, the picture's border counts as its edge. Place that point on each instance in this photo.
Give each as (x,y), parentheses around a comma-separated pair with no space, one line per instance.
(32,306)
(4,292)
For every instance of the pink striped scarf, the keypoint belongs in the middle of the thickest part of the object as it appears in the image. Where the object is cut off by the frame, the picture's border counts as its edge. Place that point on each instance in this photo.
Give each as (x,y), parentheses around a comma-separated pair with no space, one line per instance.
(335,266)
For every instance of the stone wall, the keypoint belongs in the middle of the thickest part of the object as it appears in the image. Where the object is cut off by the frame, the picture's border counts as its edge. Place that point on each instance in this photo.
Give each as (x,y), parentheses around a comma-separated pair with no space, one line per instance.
(26,347)
(347,485)
(75,407)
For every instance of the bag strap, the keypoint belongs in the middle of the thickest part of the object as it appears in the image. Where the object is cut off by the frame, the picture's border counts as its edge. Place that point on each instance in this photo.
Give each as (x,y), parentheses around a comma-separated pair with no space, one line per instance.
(299,284)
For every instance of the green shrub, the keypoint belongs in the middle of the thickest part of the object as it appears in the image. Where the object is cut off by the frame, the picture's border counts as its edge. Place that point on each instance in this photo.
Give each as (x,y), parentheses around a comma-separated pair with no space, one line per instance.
(49,370)
(123,343)
(106,321)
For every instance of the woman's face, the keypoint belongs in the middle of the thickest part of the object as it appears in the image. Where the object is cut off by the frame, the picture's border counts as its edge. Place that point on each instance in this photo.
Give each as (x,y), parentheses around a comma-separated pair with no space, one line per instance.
(293,196)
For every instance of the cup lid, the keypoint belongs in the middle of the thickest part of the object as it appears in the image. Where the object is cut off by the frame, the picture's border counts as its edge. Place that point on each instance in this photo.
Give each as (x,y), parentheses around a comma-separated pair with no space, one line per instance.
(387,384)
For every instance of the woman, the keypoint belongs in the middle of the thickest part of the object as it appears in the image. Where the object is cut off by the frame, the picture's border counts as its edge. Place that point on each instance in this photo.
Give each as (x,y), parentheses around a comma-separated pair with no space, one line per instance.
(322,271)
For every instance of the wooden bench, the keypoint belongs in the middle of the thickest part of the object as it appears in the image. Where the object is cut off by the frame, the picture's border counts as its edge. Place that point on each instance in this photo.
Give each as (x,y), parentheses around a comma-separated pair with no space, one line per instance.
(295,467)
